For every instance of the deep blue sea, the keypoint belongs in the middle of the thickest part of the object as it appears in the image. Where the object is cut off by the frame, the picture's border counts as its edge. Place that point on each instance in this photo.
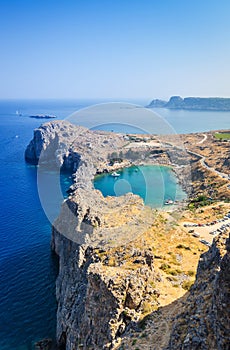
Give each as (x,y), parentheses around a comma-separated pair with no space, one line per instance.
(27,267)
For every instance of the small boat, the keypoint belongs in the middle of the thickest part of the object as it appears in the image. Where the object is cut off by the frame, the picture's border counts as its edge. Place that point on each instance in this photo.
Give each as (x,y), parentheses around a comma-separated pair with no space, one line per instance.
(114,174)
(168,202)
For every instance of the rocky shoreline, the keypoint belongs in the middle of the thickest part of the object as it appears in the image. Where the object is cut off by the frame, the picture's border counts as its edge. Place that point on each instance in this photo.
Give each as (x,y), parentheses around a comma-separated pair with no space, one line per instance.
(193,103)
(107,278)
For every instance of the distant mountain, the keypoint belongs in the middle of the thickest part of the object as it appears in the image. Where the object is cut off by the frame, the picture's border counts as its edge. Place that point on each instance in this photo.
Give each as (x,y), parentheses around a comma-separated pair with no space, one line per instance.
(157,104)
(193,103)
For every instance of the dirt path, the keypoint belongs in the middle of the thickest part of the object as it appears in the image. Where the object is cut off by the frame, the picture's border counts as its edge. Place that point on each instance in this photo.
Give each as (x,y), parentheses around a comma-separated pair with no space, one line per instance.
(204,164)
(203,140)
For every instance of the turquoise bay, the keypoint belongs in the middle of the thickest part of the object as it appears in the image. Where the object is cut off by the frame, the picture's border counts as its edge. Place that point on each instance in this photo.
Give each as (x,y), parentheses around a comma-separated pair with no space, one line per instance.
(27,267)
(154,184)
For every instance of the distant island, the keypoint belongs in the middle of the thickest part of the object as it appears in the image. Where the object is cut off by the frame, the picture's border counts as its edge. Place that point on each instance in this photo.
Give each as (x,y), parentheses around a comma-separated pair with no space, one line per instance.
(43,116)
(193,103)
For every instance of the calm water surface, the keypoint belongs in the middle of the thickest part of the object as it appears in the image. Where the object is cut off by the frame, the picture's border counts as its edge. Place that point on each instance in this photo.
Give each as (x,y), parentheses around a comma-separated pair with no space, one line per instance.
(27,267)
(155,184)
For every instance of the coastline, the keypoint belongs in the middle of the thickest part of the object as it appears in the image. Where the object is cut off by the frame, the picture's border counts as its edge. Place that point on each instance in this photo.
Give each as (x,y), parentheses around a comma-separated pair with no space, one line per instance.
(92,233)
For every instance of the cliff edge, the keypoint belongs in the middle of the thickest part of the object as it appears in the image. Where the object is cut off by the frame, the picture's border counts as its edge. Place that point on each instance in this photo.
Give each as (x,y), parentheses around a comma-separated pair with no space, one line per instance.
(114,289)
(193,103)
(204,322)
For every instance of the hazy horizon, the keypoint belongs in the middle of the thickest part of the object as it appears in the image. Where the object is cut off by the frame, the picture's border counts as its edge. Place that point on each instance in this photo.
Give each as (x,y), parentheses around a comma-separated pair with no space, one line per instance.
(114,49)
(104,99)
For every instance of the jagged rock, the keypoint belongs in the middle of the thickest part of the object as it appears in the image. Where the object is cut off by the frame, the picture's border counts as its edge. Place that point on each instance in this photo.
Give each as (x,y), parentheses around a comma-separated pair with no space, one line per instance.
(206,323)
(97,301)
(45,344)
(197,103)
(94,305)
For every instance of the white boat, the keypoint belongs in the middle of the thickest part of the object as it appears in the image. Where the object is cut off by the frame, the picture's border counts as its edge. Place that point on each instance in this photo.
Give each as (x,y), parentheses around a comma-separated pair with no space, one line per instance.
(168,202)
(114,174)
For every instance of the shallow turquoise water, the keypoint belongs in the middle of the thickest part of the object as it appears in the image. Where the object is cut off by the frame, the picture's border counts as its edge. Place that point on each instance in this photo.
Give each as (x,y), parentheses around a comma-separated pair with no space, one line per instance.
(155,184)
(27,267)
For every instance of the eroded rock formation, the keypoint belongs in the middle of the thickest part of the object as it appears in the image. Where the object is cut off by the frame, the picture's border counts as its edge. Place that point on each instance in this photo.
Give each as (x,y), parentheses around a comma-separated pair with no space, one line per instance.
(101,293)
(205,320)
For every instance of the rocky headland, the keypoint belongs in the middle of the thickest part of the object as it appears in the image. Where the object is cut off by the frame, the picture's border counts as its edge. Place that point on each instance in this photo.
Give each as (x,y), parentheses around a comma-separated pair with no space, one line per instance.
(193,103)
(125,270)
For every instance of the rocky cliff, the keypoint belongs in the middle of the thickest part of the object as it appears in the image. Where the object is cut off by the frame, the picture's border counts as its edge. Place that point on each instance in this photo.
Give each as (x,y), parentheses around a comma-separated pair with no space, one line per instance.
(96,300)
(197,321)
(108,276)
(193,103)
(66,146)
(204,322)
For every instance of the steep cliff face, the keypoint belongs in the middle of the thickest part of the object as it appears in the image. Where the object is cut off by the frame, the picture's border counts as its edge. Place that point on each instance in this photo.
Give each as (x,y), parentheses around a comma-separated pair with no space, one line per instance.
(193,103)
(64,145)
(205,320)
(51,143)
(97,301)
(105,283)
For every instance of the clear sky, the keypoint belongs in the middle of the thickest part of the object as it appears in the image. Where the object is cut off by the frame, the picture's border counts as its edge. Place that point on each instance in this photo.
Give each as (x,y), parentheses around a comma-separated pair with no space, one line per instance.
(114,48)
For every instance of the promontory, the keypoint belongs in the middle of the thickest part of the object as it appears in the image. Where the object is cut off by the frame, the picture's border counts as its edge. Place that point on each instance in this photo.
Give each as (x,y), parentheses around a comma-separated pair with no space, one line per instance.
(193,103)
(133,277)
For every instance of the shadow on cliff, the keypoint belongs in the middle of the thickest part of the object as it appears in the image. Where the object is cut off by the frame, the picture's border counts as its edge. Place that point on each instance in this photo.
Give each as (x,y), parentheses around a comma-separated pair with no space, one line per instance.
(200,319)
(156,327)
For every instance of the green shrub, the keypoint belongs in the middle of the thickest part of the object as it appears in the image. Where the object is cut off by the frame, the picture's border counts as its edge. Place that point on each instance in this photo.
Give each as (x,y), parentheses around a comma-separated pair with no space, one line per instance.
(165,266)
(187,285)
(191,273)
(182,246)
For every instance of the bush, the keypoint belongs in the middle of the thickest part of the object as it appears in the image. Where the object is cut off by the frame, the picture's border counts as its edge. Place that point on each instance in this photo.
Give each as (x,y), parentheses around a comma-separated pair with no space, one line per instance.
(182,246)
(199,201)
(165,267)
(187,285)
(191,273)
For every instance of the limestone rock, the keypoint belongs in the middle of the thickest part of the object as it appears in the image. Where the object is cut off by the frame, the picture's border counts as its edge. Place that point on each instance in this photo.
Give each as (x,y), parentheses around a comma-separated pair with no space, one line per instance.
(205,323)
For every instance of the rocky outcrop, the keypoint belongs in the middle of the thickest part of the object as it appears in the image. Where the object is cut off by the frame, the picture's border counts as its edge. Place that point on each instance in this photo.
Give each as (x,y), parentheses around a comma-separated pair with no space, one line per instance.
(156,103)
(204,323)
(97,300)
(193,103)
(45,344)
(51,145)
(64,145)
(96,303)
(105,284)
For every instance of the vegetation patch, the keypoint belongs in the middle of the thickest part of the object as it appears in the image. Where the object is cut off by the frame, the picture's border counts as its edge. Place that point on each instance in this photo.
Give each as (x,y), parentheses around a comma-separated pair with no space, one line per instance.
(222,136)
(187,285)
(182,246)
(200,201)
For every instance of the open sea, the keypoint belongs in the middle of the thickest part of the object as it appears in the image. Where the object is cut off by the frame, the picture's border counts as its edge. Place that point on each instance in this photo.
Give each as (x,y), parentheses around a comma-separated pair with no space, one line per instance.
(27,267)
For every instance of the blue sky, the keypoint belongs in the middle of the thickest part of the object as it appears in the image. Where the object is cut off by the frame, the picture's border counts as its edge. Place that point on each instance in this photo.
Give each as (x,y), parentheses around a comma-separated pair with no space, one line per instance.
(114,48)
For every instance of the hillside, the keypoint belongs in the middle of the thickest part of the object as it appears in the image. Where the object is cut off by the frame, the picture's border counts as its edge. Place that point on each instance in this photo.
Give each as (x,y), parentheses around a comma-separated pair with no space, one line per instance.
(127,272)
(193,103)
